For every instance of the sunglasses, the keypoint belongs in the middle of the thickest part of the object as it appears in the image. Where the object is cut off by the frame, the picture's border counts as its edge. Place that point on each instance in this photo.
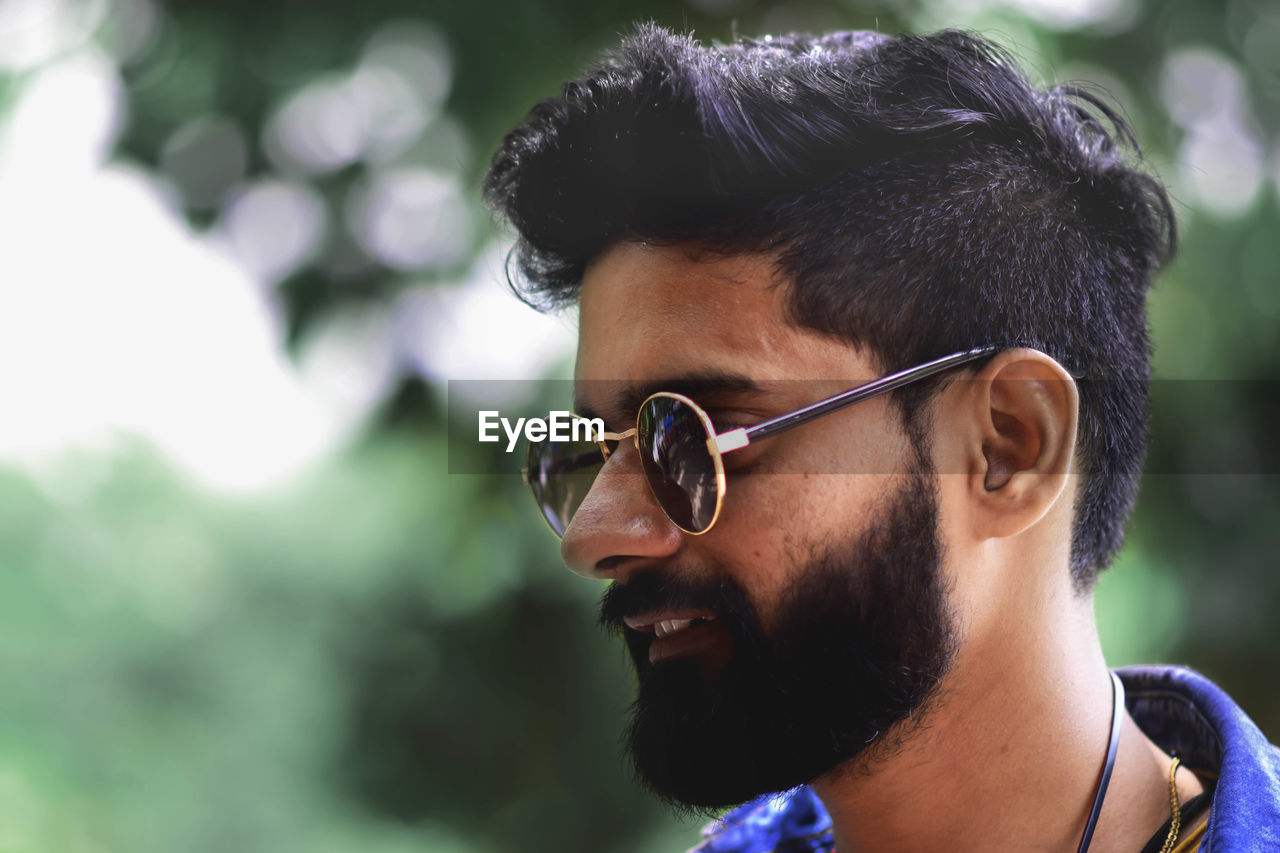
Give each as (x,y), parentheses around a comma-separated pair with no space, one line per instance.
(681,453)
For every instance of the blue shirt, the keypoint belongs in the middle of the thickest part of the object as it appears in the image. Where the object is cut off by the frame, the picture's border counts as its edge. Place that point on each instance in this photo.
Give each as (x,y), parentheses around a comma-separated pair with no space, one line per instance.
(1181,711)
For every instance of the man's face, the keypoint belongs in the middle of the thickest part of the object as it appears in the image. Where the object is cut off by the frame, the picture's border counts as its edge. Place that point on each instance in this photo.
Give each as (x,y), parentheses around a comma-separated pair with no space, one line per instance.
(812,619)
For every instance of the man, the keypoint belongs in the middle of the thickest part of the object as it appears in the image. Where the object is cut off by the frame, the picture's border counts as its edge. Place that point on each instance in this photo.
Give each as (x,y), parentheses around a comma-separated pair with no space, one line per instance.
(870,621)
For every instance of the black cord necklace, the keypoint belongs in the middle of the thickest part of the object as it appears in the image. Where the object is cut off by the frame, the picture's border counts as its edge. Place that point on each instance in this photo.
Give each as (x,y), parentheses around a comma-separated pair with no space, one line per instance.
(1117,704)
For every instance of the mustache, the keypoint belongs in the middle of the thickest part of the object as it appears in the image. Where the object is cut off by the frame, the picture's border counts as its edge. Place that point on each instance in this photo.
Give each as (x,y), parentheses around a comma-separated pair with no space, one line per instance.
(650,589)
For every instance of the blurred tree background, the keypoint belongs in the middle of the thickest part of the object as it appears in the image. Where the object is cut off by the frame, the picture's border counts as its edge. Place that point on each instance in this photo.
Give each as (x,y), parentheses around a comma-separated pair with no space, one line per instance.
(246,606)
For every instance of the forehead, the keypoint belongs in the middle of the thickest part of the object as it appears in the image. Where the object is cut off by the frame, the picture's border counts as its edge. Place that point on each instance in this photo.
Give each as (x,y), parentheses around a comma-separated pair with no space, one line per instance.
(651,312)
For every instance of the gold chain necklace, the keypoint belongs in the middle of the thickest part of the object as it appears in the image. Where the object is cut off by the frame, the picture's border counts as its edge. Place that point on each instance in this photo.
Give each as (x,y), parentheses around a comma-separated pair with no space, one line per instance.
(1175,820)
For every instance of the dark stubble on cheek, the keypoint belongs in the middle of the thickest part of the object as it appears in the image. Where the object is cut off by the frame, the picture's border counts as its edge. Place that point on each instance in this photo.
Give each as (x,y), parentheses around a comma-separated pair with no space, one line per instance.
(858,645)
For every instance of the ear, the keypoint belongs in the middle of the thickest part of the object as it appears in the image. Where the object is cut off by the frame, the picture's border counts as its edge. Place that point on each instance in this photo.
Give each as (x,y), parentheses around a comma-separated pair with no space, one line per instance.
(1024,408)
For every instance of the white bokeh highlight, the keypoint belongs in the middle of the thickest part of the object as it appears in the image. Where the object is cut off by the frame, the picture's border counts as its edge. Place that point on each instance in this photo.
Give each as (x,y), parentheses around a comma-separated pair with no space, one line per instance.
(34,32)
(272,227)
(117,320)
(411,218)
(1221,160)
(476,328)
(375,112)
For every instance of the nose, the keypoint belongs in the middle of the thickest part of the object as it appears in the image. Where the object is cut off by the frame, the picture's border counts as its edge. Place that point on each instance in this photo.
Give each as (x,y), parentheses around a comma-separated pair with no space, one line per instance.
(619,526)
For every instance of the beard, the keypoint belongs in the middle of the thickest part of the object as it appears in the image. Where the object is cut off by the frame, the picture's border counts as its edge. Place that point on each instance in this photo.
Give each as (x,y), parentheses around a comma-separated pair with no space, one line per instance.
(856,647)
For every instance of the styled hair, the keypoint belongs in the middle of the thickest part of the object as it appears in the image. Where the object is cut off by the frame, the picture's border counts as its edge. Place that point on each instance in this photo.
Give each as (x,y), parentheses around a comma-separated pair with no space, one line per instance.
(920,195)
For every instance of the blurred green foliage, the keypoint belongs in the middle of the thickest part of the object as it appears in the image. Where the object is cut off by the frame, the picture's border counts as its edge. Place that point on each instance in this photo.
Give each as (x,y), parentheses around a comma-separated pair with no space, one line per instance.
(384,656)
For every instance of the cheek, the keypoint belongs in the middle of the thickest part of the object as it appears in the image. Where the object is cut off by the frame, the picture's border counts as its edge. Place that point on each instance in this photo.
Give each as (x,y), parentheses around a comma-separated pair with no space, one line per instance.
(760,525)
(804,493)
(773,523)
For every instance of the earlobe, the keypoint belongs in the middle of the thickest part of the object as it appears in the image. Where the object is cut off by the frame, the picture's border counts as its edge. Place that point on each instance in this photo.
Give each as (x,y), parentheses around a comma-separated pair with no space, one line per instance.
(1027,405)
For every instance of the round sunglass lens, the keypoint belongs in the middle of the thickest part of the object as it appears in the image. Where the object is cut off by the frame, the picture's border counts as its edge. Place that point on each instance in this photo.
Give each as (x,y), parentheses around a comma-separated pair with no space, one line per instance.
(680,469)
(560,475)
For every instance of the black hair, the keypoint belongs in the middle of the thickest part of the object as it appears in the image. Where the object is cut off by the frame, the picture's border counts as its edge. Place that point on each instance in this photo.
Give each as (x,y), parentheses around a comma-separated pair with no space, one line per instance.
(920,195)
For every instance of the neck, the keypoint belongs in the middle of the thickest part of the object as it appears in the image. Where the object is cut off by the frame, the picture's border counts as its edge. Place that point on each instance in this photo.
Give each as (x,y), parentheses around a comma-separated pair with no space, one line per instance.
(1010,753)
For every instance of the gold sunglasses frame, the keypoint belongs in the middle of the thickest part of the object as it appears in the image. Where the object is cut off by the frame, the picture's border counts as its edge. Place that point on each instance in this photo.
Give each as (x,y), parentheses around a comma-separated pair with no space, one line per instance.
(719,444)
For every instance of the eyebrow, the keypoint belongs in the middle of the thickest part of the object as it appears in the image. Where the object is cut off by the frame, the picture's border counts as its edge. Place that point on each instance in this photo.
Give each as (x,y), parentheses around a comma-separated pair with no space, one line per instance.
(626,402)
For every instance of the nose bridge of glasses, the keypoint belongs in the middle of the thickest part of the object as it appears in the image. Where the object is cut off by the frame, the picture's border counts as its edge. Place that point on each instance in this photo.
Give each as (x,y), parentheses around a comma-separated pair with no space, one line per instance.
(616,438)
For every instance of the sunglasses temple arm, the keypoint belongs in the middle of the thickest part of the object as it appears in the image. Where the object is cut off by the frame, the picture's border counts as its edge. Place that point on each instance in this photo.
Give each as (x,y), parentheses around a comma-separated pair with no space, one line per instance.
(739,438)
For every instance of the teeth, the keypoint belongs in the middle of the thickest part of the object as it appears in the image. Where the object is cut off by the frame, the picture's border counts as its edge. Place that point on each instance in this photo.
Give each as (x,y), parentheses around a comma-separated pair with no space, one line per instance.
(670,626)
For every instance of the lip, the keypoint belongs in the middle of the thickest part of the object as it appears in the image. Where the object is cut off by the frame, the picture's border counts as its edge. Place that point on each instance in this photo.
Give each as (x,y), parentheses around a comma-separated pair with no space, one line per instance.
(705,635)
(645,622)
(707,640)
